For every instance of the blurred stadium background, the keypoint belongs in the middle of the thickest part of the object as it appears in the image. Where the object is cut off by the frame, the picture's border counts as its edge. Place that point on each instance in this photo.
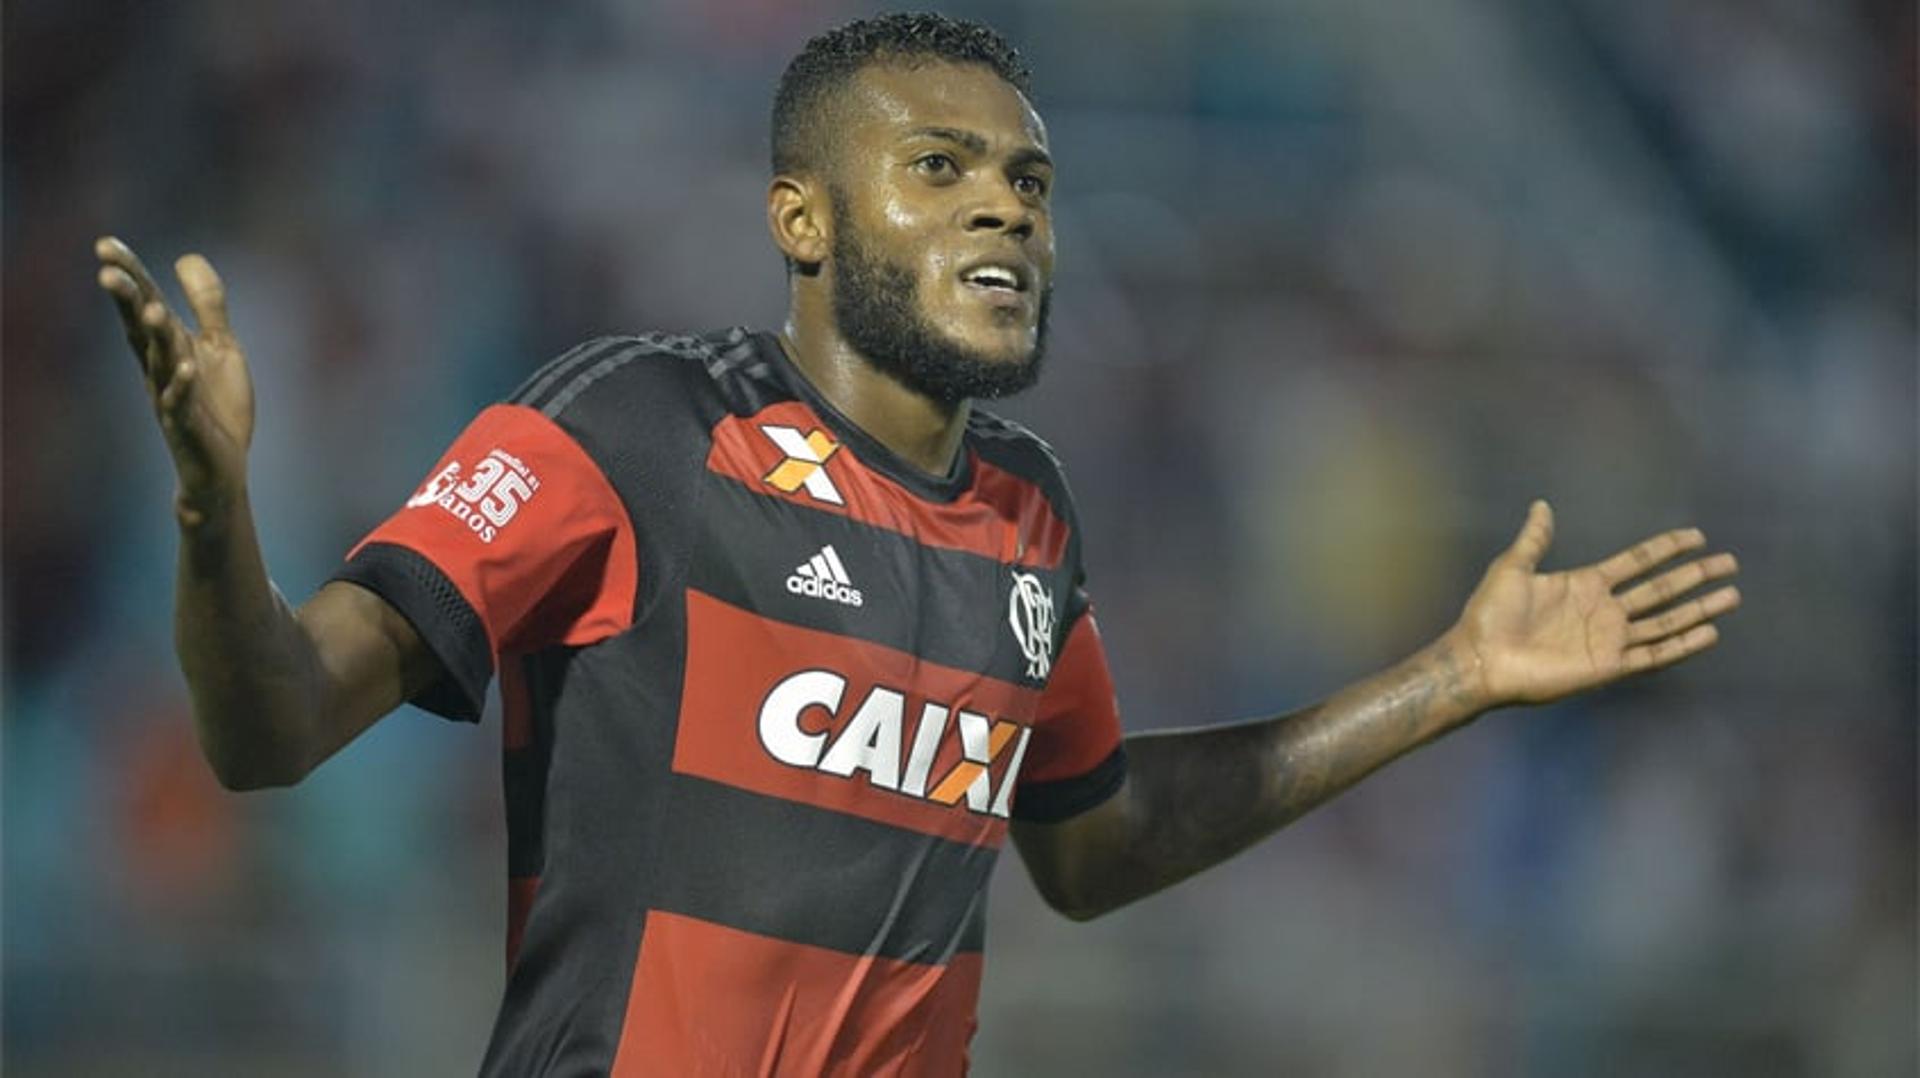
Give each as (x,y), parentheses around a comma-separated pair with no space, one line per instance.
(1344,284)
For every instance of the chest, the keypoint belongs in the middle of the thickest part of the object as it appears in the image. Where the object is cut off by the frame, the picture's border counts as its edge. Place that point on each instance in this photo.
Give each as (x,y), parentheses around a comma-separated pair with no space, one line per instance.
(863,639)
(795,528)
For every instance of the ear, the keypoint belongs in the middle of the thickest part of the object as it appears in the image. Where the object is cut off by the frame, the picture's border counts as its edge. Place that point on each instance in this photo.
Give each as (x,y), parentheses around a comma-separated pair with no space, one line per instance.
(797,216)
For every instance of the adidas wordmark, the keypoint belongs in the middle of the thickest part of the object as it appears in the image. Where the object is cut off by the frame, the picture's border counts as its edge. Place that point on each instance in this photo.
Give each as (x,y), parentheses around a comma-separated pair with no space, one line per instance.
(824,577)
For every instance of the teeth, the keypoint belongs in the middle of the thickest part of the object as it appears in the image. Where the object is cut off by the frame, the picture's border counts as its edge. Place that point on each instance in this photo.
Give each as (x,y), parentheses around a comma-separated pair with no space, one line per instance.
(993,277)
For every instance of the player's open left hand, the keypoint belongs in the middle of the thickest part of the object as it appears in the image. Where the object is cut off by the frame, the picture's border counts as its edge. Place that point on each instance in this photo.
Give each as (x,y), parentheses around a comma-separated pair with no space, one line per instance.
(198,380)
(1541,636)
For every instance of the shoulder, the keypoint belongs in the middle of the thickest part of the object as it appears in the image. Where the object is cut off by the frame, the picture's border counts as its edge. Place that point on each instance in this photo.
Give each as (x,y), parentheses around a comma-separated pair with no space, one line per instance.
(1012,447)
(1004,438)
(629,369)
(643,407)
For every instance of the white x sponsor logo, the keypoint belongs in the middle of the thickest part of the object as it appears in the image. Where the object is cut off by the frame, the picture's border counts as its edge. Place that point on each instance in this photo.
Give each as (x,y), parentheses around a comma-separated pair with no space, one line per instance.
(805,466)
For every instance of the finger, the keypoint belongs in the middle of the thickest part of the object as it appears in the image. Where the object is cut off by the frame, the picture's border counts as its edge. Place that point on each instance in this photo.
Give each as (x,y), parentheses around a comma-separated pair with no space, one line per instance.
(110,250)
(1668,585)
(172,397)
(1535,536)
(1643,556)
(205,294)
(188,446)
(1683,617)
(164,346)
(126,299)
(179,342)
(1669,651)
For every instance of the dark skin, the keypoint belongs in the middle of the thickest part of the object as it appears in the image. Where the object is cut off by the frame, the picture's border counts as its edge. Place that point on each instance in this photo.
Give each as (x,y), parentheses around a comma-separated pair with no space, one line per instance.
(938,165)
(943,166)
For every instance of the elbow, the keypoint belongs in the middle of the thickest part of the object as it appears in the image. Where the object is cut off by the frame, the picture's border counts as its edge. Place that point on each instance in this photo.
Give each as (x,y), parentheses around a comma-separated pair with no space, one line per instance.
(1082,912)
(247,781)
(243,772)
(253,749)
(1073,903)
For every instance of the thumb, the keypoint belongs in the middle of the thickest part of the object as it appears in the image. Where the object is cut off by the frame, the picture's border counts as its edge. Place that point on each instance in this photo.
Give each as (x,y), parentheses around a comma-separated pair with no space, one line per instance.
(1535,536)
(205,294)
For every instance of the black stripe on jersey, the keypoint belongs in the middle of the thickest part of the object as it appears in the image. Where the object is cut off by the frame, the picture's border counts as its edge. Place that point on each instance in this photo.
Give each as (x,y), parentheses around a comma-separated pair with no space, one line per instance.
(440,614)
(737,364)
(647,425)
(524,776)
(744,368)
(737,357)
(524,780)
(556,385)
(1013,448)
(606,715)
(919,599)
(1051,802)
(809,875)
(603,367)
(542,380)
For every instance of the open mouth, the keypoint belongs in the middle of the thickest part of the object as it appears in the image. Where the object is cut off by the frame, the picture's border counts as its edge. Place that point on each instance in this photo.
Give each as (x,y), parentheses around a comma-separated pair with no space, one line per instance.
(996,277)
(1001,284)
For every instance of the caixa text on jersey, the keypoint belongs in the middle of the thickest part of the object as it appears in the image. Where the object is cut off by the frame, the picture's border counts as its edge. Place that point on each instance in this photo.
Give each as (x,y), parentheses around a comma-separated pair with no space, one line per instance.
(873,740)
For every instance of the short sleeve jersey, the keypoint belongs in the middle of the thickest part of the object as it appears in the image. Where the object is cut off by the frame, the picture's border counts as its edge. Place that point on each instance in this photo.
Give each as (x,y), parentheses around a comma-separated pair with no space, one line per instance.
(770,697)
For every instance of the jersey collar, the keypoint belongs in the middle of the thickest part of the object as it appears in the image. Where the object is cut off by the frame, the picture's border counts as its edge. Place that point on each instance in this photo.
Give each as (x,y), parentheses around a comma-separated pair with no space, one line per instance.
(870,450)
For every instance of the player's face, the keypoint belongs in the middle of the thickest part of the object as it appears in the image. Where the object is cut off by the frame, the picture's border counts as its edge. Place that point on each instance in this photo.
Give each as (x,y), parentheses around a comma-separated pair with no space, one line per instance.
(943,240)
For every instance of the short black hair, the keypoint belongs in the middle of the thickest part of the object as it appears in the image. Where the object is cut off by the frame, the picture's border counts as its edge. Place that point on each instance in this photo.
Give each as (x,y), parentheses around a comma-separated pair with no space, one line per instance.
(829,61)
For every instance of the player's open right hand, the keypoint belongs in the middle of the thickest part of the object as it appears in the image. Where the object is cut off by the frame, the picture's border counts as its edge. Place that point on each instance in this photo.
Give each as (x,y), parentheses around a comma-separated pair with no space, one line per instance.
(198,380)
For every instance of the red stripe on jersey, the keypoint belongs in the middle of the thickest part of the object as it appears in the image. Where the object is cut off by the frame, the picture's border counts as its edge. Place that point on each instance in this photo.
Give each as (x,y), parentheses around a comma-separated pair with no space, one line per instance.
(847,725)
(707,999)
(1079,702)
(1014,498)
(520,892)
(1000,515)
(527,528)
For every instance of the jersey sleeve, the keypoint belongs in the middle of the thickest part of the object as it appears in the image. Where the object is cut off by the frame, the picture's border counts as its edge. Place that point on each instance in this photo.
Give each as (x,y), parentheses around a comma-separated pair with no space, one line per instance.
(1075,760)
(516,542)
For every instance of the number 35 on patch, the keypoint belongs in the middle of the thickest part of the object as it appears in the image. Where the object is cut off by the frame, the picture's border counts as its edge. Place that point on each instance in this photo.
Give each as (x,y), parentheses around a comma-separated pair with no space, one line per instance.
(485,500)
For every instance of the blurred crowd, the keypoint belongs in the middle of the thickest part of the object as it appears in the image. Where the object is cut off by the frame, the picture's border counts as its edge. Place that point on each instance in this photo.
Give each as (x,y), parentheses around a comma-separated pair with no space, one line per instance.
(1342,286)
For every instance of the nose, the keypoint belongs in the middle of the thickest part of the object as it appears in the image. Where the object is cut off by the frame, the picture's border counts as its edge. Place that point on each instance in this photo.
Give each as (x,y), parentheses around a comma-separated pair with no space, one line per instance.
(1002,210)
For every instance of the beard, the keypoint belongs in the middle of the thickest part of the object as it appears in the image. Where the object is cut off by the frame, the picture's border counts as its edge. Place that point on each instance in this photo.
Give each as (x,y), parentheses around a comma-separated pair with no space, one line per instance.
(877,310)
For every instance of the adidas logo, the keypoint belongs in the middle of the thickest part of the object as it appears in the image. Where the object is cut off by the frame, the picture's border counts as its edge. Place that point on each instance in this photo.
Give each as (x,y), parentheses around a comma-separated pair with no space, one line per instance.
(823,577)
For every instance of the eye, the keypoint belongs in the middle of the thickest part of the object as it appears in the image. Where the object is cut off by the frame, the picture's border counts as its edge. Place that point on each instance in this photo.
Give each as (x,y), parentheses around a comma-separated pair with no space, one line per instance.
(1033,186)
(936,164)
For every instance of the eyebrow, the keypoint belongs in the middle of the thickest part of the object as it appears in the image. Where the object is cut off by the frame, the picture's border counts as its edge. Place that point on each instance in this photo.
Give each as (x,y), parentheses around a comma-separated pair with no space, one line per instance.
(976,144)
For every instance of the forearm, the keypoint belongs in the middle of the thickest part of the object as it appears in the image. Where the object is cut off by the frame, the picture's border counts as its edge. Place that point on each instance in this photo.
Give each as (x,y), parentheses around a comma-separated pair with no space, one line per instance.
(252,673)
(1197,797)
(274,690)
(1194,798)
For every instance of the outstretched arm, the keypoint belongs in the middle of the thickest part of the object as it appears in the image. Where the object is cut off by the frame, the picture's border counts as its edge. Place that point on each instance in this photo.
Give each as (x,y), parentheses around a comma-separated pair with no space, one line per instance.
(1196,797)
(275,690)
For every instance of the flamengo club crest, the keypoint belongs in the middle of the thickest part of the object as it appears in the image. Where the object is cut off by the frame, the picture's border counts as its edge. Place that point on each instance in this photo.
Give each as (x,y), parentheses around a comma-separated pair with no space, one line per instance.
(1030,612)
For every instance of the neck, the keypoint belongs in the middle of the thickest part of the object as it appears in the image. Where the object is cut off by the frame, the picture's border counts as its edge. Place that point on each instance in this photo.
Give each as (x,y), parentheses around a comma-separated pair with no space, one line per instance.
(922,431)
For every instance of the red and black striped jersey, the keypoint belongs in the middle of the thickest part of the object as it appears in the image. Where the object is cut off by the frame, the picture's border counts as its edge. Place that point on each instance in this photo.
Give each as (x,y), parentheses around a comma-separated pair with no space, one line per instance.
(770,698)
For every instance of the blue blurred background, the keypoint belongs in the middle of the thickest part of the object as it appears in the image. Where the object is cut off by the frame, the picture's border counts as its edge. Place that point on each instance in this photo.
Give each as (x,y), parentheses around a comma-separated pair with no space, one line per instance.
(1343,285)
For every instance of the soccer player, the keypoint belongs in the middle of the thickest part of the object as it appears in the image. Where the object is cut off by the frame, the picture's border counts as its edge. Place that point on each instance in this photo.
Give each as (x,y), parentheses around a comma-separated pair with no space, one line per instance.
(789,635)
